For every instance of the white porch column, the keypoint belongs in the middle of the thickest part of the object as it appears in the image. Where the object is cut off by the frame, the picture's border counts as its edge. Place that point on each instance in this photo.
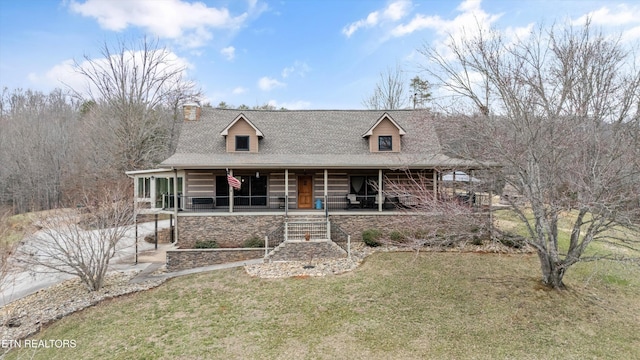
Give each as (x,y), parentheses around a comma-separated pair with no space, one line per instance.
(152,191)
(326,183)
(326,197)
(231,194)
(380,189)
(435,184)
(286,190)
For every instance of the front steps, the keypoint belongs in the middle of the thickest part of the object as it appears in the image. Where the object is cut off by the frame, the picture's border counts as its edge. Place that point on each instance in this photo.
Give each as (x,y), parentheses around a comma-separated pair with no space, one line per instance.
(306,238)
(299,227)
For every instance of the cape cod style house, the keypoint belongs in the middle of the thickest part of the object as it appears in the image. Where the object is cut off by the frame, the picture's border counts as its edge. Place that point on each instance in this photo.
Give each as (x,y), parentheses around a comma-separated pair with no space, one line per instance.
(293,166)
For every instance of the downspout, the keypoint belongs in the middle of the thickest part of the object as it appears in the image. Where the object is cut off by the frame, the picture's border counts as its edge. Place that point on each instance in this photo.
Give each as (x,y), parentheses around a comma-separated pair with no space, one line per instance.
(175,205)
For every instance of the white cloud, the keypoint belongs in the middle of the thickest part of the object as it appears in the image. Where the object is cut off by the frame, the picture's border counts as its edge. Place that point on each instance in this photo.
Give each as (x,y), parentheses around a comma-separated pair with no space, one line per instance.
(189,23)
(631,34)
(620,15)
(64,73)
(267,83)
(229,52)
(393,12)
(299,68)
(471,16)
(296,105)
(238,90)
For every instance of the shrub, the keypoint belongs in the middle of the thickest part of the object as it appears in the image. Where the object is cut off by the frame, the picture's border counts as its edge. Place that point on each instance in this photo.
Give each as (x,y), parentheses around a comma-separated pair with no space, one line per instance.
(397,236)
(370,237)
(206,244)
(254,242)
(511,240)
(422,234)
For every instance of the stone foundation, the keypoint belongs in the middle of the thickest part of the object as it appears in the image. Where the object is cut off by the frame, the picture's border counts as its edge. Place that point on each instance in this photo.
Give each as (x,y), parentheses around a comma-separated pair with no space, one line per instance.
(182,259)
(306,251)
(229,231)
(164,237)
(354,225)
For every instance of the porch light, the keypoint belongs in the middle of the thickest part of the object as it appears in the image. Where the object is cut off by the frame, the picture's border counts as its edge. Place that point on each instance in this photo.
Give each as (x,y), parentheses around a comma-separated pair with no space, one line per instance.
(257,174)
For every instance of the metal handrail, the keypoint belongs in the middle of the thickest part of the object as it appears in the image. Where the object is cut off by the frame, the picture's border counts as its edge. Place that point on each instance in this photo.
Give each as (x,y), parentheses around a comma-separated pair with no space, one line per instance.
(340,237)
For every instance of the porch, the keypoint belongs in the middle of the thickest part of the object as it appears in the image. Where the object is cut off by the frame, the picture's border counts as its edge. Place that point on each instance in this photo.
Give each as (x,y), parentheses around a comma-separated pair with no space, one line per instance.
(204,204)
(277,190)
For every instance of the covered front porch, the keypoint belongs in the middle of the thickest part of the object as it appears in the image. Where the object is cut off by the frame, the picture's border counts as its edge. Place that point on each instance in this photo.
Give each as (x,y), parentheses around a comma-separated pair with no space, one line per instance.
(281,190)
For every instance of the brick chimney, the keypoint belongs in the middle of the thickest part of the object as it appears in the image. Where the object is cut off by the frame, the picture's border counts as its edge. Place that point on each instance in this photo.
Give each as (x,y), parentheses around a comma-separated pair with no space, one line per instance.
(191,112)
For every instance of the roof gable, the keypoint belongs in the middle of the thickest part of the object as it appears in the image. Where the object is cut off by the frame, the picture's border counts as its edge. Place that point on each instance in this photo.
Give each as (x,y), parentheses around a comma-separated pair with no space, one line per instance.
(225,131)
(382,118)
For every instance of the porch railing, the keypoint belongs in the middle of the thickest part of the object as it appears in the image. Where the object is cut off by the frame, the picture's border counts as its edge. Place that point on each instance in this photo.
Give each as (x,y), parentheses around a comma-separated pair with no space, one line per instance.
(272,203)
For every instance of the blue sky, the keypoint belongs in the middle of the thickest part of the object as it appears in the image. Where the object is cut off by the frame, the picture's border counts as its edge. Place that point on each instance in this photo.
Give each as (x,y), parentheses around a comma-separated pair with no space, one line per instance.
(296,54)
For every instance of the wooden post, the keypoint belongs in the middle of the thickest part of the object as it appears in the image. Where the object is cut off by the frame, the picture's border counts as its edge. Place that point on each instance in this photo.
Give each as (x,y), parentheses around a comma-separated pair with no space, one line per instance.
(175,203)
(171,227)
(231,194)
(286,192)
(156,232)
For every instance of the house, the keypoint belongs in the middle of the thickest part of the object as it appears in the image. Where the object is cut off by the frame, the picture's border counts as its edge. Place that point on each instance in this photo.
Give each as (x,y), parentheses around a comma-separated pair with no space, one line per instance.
(325,165)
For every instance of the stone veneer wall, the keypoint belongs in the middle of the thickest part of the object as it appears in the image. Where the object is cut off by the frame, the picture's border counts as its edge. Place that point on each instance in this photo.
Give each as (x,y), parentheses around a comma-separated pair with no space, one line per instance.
(227,230)
(354,225)
(307,250)
(182,259)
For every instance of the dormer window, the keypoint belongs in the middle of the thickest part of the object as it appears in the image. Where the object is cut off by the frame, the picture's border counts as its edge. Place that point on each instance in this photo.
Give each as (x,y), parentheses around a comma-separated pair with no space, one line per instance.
(385,135)
(241,135)
(242,143)
(385,143)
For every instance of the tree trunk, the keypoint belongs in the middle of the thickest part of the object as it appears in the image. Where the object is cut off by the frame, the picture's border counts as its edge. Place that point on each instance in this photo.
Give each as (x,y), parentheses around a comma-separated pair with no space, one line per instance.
(552,271)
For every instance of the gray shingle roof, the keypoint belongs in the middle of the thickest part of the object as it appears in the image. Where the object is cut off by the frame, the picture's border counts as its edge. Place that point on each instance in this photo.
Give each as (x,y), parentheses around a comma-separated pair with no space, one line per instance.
(307,139)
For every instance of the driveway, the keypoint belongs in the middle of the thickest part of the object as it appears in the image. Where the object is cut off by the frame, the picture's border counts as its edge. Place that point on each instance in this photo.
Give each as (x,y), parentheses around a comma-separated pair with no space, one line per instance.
(23,283)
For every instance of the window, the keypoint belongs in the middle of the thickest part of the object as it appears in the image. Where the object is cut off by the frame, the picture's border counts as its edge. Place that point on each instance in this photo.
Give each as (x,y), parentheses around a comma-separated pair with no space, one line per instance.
(242,143)
(363,185)
(144,187)
(165,191)
(385,143)
(253,191)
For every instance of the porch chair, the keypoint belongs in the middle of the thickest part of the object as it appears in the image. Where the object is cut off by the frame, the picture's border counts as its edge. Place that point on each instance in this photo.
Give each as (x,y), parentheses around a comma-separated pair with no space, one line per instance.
(352,201)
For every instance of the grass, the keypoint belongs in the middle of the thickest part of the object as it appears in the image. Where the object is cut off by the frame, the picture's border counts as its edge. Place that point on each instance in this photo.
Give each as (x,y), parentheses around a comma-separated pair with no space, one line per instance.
(396,305)
(14,228)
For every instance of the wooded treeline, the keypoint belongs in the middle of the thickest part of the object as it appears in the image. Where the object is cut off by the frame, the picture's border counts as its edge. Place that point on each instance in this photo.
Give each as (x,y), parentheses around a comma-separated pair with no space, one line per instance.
(56,148)
(53,147)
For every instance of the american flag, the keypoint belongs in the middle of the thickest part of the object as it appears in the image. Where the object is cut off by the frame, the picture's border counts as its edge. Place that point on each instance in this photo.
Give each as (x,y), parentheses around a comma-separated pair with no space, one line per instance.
(233,182)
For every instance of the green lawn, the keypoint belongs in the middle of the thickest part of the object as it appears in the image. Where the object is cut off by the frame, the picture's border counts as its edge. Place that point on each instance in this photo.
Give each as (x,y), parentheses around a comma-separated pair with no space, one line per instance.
(394,306)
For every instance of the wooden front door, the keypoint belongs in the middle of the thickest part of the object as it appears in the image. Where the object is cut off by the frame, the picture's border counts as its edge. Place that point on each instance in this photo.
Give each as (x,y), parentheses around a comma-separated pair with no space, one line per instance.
(305,192)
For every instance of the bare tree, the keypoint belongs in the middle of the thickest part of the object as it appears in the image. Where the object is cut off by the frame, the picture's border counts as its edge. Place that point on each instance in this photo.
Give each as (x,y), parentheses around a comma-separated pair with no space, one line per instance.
(36,147)
(80,244)
(389,93)
(453,220)
(560,111)
(7,249)
(138,89)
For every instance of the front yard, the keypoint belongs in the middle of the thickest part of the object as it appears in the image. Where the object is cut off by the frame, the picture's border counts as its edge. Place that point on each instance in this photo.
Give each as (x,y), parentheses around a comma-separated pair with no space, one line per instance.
(396,305)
